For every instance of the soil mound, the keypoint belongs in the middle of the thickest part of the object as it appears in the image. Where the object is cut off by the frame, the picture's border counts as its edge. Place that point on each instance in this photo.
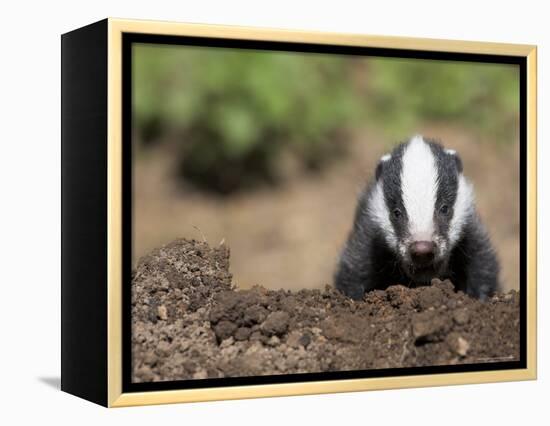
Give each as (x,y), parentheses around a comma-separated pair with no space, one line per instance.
(189,322)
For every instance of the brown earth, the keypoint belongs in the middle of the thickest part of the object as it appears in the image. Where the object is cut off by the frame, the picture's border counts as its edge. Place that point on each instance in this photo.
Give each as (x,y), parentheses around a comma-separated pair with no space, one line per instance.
(189,322)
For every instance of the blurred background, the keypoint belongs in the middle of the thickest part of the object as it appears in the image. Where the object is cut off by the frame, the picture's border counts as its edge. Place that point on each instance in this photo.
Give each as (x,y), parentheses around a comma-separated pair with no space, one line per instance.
(267,151)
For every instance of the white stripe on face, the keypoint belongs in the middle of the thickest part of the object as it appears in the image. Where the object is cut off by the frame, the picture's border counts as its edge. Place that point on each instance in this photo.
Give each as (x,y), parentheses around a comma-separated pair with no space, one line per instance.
(463,207)
(419,188)
(379,211)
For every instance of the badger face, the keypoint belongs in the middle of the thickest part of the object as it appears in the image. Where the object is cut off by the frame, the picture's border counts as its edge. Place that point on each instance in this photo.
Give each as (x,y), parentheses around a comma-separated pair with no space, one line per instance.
(421,201)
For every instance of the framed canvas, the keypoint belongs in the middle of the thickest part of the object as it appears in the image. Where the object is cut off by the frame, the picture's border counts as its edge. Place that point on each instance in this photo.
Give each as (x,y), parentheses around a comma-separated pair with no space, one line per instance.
(255,212)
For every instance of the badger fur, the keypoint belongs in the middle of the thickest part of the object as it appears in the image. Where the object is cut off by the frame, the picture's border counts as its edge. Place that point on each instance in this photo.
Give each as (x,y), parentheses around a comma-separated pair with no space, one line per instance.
(417,221)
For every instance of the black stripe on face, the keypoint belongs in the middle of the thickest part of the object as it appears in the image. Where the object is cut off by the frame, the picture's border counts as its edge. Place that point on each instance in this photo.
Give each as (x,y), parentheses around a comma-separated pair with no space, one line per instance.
(393,195)
(448,169)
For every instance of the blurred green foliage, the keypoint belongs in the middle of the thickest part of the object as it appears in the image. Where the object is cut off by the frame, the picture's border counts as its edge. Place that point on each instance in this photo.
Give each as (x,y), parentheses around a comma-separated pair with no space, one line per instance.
(233,112)
(481,97)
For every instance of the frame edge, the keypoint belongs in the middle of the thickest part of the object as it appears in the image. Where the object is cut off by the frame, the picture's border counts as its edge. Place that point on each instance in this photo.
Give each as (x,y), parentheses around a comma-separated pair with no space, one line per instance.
(116,398)
(532,211)
(319,37)
(84,349)
(114,212)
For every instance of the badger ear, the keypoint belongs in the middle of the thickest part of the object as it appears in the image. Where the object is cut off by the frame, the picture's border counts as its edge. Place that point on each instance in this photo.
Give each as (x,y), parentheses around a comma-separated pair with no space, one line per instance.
(456,158)
(380,166)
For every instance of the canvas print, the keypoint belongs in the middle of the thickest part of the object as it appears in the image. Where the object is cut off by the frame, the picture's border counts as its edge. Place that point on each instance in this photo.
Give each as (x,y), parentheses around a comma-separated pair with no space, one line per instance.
(305,213)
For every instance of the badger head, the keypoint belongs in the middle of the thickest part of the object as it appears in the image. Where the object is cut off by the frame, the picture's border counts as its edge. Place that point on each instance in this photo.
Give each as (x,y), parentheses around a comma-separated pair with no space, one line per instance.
(421,202)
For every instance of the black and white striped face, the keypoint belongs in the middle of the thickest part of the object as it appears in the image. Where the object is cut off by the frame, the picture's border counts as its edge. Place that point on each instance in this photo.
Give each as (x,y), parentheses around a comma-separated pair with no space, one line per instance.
(421,202)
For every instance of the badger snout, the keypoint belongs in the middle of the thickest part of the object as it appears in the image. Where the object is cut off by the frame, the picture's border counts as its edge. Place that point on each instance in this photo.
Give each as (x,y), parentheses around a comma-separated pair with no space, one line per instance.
(422,252)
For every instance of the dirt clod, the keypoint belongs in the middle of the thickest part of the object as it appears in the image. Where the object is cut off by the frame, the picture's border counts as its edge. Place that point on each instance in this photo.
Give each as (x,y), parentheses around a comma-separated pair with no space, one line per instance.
(188,322)
(461,316)
(430,326)
(255,315)
(162,312)
(224,329)
(429,297)
(458,344)
(275,323)
(242,333)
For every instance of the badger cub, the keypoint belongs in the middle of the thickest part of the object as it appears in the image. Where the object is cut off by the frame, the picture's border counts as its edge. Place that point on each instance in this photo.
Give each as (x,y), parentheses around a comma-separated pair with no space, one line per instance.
(417,221)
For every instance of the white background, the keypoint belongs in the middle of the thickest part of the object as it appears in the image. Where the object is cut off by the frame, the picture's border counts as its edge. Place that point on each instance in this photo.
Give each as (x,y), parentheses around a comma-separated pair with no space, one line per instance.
(30,211)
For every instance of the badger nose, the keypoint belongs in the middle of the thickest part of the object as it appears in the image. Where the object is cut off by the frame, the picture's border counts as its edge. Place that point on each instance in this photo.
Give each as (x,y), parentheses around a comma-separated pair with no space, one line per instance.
(422,251)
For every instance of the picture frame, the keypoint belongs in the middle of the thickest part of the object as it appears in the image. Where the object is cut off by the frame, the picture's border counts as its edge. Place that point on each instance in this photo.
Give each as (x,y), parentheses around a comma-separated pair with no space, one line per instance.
(97,211)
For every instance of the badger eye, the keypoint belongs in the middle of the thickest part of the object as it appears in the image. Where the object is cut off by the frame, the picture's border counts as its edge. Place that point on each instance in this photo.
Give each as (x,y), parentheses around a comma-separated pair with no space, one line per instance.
(444,209)
(396,213)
